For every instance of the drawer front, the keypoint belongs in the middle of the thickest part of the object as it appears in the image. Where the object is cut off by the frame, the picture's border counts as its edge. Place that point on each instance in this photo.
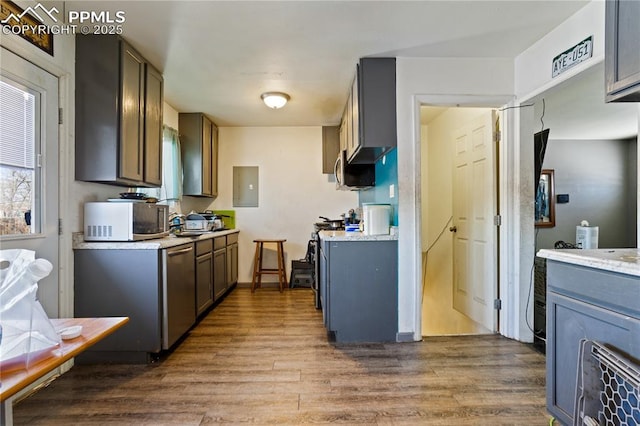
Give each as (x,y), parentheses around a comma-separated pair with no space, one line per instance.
(609,290)
(232,238)
(204,247)
(219,243)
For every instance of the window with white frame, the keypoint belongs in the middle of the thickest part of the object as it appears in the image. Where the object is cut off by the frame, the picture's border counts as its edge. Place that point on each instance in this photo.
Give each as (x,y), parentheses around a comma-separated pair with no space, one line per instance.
(19,149)
(171,189)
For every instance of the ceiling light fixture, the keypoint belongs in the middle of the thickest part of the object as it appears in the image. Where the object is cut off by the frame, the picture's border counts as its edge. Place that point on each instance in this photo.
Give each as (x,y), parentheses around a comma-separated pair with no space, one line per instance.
(275,100)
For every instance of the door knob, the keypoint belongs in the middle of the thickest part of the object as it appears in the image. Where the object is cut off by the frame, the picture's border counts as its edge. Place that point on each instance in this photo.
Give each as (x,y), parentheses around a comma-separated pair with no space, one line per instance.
(453,229)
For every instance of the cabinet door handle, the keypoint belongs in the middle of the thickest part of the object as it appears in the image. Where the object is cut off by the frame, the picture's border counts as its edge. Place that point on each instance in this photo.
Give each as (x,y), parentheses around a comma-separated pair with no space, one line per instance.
(453,229)
(181,251)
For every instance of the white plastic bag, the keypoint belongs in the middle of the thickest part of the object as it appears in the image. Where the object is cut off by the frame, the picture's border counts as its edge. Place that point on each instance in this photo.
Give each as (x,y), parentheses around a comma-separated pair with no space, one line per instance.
(27,334)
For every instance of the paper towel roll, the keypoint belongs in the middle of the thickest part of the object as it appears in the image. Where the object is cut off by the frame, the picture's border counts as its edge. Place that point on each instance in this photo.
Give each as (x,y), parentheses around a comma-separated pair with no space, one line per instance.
(377,218)
(587,236)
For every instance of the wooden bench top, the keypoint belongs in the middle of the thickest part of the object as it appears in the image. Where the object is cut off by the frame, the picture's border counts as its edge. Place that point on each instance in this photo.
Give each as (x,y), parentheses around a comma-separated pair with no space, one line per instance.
(93,330)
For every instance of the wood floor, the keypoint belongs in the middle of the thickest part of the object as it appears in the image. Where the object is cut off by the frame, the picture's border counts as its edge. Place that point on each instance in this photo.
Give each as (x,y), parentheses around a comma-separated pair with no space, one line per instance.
(263,358)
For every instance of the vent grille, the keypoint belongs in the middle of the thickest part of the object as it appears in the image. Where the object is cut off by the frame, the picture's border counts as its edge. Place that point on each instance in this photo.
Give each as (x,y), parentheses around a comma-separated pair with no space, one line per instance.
(100,231)
(608,387)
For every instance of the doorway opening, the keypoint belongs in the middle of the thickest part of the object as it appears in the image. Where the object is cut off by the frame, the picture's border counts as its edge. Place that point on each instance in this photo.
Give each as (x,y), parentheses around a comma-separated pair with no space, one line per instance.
(459,239)
(592,157)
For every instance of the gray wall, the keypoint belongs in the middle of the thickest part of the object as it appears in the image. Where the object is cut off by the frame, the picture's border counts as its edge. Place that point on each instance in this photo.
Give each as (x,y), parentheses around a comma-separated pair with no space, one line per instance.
(599,176)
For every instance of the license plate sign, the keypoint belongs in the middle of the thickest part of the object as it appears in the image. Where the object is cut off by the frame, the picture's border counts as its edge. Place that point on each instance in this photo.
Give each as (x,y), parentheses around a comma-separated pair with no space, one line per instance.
(573,56)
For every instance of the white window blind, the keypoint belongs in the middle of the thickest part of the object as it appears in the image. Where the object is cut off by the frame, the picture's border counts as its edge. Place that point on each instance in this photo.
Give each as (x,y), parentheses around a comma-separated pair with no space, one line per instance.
(17,134)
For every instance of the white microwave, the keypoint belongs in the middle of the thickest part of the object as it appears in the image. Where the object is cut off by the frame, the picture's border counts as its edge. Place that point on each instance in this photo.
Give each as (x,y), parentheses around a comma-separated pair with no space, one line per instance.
(125,221)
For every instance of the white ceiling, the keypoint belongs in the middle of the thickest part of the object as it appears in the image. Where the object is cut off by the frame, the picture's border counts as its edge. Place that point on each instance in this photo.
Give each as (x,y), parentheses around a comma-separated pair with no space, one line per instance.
(217,57)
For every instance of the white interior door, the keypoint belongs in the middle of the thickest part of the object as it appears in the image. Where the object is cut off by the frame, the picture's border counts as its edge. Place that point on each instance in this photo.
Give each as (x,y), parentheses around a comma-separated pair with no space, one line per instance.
(474,194)
(29,166)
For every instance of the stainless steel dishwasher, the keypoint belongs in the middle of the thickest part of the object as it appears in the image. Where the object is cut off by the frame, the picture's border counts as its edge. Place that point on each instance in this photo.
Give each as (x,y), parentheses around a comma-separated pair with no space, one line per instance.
(179,293)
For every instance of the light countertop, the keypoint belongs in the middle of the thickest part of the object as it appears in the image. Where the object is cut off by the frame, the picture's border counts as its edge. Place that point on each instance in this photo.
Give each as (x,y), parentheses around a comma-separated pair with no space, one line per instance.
(354,236)
(157,244)
(624,260)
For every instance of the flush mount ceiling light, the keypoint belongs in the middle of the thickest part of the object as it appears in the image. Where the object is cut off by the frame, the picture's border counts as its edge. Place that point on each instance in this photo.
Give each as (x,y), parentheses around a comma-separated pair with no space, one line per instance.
(275,100)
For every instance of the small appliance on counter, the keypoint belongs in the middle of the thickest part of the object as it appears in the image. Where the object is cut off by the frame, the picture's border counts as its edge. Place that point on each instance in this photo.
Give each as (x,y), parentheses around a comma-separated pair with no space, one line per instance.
(330,224)
(352,227)
(215,220)
(139,197)
(376,218)
(587,236)
(176,222)
(207,221)
(125,221)
(228,218)
(196,222)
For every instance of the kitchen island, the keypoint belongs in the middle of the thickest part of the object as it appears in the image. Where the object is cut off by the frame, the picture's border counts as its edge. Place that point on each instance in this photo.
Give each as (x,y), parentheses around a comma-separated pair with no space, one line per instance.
(359,286)
(163,285)
(593,295)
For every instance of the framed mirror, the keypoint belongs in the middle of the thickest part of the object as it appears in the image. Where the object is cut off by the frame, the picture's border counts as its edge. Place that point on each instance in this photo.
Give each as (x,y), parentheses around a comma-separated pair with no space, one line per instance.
(545,206)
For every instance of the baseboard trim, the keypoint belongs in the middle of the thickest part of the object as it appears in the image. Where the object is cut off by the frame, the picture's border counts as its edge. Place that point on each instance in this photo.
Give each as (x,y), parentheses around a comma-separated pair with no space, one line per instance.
(269,284)
(405,337)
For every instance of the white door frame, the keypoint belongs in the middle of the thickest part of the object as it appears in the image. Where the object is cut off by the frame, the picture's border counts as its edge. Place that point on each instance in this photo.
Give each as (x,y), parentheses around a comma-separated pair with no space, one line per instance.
(509,316)
(44,239)
(66,88)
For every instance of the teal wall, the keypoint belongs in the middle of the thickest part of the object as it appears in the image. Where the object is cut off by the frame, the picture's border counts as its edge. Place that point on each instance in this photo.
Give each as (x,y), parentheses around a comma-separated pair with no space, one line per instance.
(386,174)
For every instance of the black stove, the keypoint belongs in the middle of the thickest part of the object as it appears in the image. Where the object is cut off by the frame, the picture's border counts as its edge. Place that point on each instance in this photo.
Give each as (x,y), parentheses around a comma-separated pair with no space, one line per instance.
(314,248)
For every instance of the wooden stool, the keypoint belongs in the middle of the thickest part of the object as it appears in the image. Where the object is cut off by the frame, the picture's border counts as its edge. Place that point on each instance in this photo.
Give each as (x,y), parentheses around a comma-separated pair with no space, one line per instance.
(258,270)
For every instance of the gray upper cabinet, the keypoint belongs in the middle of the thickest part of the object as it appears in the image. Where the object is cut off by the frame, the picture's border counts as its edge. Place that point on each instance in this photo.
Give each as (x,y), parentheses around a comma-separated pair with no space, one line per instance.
(153,126)
(118,114)
(371,111)
(622,51)
(199,145)
(353,128)
(330,148)
(132,116)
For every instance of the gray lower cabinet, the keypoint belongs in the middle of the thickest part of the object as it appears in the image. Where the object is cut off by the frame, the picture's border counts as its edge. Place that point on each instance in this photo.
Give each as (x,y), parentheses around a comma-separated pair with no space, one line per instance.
(121,283)
(622,51)
(204,275)
(359,290)
(586,303)
(154,288)
(216,269)
(219,267)
(232,260)
(330,148)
